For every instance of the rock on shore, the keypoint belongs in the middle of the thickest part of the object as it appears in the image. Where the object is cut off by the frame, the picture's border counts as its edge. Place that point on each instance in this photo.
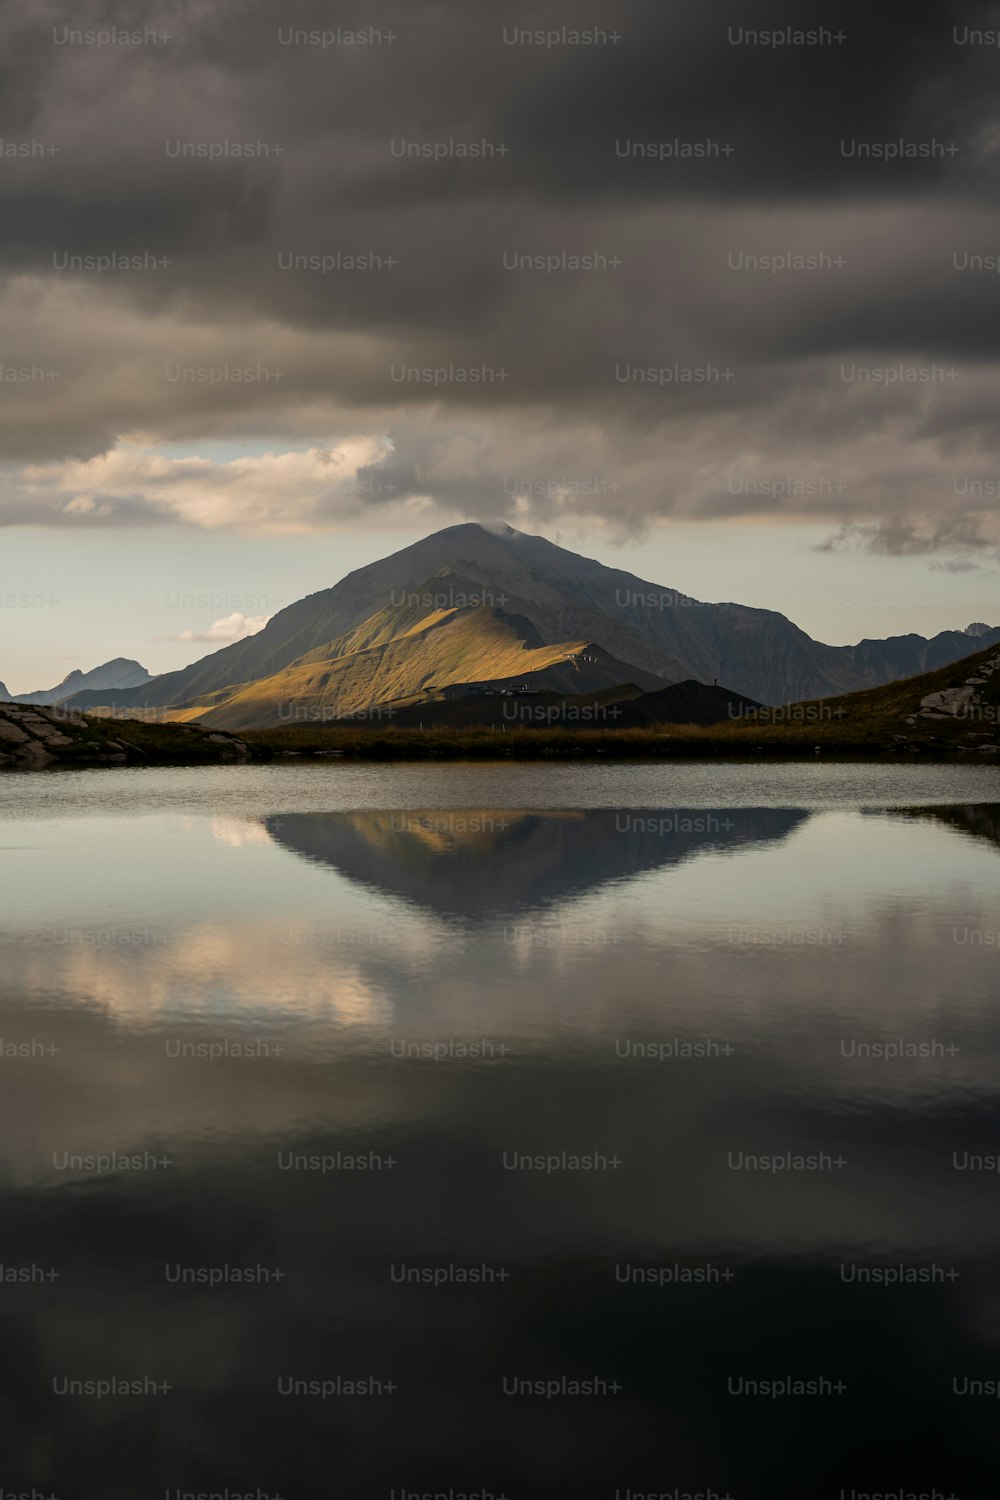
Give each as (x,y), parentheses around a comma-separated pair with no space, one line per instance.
(33,737)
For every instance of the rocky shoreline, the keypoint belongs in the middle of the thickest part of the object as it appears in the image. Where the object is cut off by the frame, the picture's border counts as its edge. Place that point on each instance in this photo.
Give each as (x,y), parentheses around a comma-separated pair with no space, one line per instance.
(33,738)
(958,704)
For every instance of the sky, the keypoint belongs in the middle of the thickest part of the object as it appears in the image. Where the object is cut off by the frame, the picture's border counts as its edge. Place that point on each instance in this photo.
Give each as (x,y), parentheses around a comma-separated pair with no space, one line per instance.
(709,293)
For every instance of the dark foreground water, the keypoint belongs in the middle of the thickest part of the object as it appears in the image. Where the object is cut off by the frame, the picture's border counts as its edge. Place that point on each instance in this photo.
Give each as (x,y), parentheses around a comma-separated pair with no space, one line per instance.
(500,1131)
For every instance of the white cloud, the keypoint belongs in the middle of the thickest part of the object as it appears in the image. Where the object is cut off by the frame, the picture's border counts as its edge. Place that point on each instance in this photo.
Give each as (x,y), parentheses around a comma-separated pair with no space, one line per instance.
(234,627)
(294,490)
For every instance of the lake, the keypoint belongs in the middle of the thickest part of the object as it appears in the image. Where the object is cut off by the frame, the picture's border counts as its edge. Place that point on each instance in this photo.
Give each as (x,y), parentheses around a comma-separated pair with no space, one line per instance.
(500,1130)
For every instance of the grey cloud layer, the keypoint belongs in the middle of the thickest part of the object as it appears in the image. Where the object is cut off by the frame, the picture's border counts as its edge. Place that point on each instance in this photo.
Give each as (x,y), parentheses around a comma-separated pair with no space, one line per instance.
(873,369)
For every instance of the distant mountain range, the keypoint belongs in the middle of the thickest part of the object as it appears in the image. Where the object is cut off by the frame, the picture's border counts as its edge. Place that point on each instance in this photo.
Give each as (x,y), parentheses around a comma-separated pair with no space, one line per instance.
(476,608)
(112,676)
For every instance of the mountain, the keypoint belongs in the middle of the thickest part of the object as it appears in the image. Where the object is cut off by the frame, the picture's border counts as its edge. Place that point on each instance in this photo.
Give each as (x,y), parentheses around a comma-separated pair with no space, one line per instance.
(957,706)
(475,604)
(624,706)
(463,646)
(910,655)
(112,676)
(687,702)
(4,693)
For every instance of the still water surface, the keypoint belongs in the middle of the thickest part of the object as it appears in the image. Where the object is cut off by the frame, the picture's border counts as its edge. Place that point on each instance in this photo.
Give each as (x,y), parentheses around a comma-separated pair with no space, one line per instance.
(500,1129)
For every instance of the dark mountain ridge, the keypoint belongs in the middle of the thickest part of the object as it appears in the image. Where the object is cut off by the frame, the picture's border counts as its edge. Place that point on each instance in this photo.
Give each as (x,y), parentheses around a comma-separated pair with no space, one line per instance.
(555,596)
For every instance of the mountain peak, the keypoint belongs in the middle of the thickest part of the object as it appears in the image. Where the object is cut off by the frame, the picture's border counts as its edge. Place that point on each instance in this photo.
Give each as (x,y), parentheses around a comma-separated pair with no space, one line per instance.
(492,528)
(496,531)
(121,673)
(470,602)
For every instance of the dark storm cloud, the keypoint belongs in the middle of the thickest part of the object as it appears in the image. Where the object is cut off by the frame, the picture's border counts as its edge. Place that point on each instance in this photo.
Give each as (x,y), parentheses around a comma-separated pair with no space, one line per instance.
(761,296)
(899,537)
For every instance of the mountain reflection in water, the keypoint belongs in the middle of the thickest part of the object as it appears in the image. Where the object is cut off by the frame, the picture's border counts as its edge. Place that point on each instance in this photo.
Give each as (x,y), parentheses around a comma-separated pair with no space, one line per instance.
(352,1035)
(484,861)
